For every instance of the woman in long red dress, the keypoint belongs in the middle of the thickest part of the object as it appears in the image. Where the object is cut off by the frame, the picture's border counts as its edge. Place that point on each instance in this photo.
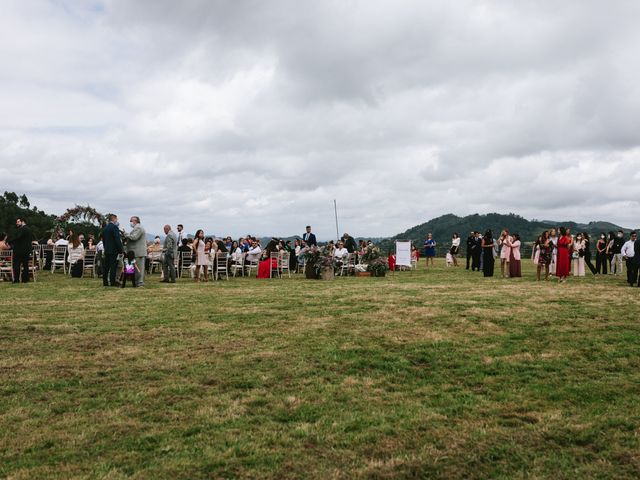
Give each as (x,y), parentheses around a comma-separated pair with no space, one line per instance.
(563,265)
(268,264)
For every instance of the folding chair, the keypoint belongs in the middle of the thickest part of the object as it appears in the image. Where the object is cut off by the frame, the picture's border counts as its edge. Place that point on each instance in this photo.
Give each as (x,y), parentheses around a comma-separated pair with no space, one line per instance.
(221,265)
(6,266)
(59,259)
(89,262)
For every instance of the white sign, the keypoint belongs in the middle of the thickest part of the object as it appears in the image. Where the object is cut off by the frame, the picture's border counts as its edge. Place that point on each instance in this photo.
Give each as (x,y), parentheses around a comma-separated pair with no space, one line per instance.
(403,253)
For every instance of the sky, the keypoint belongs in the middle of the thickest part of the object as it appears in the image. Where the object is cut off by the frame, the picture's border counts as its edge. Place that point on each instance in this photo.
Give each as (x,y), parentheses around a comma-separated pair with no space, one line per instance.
(250,116)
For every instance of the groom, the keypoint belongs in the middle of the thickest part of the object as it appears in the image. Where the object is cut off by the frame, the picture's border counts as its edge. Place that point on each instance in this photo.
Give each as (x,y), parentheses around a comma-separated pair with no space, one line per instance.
(309,238)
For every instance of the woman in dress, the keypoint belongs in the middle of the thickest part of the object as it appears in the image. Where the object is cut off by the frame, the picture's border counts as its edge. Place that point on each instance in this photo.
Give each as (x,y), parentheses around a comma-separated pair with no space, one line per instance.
(75,256)
(429,249)
(514,259)
(544,256)
(578,256)
(455,248)
(268,263)
(202,260)
(504,243)
(553,241)
(487,254)
(563,261)
(601,254)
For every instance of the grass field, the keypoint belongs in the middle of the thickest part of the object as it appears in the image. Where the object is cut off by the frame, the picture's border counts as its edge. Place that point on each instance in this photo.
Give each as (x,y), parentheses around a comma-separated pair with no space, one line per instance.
(426,374)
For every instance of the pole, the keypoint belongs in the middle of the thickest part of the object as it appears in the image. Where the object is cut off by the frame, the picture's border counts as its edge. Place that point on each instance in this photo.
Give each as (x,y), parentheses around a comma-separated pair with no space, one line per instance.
(335,209)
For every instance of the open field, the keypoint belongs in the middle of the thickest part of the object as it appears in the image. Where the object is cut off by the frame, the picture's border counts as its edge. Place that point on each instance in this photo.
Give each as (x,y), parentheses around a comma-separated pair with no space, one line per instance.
(427,374)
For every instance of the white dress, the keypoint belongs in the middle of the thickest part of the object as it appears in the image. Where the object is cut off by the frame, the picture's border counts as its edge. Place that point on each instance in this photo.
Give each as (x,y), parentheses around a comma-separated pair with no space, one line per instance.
(201,257)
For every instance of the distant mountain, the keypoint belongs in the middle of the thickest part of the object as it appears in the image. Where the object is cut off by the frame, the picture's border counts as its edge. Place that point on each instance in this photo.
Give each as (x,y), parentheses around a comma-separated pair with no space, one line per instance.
(443,227)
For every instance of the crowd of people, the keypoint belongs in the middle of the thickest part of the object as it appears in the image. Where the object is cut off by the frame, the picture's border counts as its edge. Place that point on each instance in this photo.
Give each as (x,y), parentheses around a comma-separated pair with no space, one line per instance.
(122,256)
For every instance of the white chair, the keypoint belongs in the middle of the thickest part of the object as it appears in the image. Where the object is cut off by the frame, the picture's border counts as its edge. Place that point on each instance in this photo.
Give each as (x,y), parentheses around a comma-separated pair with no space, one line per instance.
(185,262)
(284,263)
(348,263)
(37,255)
(238,264)
(154,261)
(274,260)
(59,259)
(6,267)
(221,265)
(89,262)
(250,265)
(33,266)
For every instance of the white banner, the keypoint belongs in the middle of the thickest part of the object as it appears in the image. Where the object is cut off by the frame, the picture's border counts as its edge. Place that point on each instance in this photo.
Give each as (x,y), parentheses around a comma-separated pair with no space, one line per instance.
(403,253)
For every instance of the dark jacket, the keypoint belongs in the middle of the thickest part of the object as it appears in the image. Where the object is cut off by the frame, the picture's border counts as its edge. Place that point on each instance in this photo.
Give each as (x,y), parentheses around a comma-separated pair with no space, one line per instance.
(636,252)
(21,243)
(111,240)
(350,244)
(309,238)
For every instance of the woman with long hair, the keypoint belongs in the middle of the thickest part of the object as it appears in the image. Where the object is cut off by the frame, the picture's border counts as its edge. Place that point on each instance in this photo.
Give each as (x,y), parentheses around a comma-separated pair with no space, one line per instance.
(429,249)
(601,254)
(487,254)
(75,255)
(505,252)
(202,260)
(563,261)
(514,256)
(455,248)
(587,252)
(544,256)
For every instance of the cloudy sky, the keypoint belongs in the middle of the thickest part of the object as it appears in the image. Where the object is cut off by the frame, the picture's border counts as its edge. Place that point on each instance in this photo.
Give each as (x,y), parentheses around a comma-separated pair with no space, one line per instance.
(252,116)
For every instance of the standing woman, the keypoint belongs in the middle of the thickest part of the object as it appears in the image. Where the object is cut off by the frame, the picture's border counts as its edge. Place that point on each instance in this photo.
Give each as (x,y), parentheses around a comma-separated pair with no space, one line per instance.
(505,252)
(601,254)
(429,249)
(455,248)
(514,260)
(544,256)
(587,252)
(578,256)
(535,253)
(487,254)
(553,241)
(201,257)
(609,250)
(563,262)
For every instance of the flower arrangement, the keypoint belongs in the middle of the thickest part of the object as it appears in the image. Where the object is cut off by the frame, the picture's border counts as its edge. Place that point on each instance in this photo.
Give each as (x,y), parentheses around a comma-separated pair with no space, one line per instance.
(376,263)
(317,259)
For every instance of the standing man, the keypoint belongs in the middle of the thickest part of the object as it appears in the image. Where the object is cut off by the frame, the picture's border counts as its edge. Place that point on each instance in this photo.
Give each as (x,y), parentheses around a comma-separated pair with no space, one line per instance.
(180,235)
(170,250)
(628,254)
(21,245)
(112,247)
(636,258)
(616,250)
(137,242)
(309,238)
(349,243)
(471,240)
(476,259)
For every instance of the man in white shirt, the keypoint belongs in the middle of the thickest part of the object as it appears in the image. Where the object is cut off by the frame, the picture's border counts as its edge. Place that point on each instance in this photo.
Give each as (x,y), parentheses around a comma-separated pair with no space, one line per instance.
(61,242)
(254,252)
(628,253)
(340,253)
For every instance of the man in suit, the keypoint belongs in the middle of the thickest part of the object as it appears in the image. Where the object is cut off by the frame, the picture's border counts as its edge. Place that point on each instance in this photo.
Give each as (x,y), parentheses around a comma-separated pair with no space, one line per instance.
(309,238)
(349,243)
(112,245)
(476,263)
(470,243)
(170,250)
(21,245)
(137,242)
(636,258)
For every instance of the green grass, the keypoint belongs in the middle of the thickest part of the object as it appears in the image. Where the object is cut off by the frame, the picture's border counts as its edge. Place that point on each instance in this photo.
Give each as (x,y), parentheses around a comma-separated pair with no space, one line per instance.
(427,374)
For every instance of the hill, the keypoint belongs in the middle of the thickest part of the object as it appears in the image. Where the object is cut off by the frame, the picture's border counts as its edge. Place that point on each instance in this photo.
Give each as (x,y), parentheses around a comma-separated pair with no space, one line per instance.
(444,226)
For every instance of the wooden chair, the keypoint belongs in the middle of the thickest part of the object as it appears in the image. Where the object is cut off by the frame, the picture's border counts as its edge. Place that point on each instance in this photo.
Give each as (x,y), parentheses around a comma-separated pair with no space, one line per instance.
(89,262)
(155,261)
(59,259)
(185,262)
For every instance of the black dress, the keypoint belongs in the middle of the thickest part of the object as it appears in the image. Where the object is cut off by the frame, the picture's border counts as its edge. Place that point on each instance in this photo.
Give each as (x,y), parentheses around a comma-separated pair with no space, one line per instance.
(487,258)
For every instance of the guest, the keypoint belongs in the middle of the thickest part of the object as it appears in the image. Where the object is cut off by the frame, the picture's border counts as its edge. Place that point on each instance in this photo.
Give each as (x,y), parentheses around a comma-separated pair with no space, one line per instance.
(505,252)
(183,247)
(129,268)
(268,264)
(563,264)
(616,249)
(429,249)
(535,251)
(61,241)
(415,254)
(578,256)
(601,255)
(169,252)
(21,246)
(628,254)
(636,259)
(476,252)
(136,242)
(91,245)
(587,252)
(471,241)
(455,248)
(340,254)
(309,238)
(202,262)
(553,241)
(112,248)
(545,255)
(349,243)
(487,254)
(75,256)
(3,242)
(514,244)
(610,241)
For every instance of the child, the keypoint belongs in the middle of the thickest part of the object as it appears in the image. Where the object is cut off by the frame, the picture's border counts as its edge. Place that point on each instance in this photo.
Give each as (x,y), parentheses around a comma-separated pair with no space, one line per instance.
(449,259)
(129,269)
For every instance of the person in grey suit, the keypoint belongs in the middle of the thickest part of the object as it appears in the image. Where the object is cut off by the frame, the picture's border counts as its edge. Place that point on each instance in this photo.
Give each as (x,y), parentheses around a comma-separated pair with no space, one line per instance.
(169,250)
(137,242)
